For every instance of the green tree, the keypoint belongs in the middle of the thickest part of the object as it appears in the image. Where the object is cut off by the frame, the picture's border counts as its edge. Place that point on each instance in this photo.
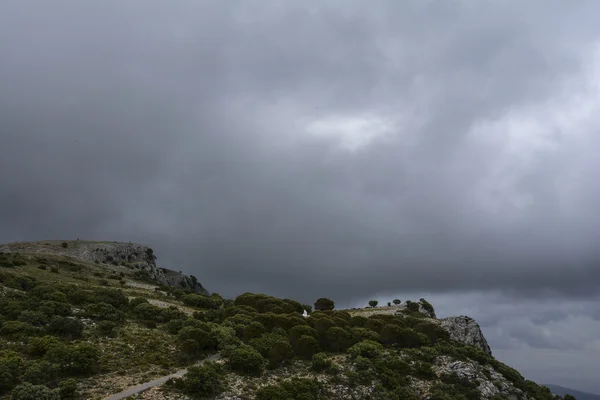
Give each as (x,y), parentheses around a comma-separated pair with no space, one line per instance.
(366,348)
(396,302)
(373,303)
(206,380)
(280,353)
(245,360)
(67,389)
(27,391)
(65,327)
(324,304)
(306,346)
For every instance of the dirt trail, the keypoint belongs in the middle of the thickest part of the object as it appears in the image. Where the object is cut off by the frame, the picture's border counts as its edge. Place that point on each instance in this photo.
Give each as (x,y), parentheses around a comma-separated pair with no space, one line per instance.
(156,382)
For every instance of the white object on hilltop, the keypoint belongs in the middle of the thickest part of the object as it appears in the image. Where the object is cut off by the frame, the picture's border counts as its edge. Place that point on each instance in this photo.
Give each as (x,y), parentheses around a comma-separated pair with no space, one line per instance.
(305,314)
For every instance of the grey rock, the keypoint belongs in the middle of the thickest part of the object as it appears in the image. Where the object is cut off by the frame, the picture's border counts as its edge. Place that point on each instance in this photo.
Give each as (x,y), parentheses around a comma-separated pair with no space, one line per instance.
(134,255)
(466,330)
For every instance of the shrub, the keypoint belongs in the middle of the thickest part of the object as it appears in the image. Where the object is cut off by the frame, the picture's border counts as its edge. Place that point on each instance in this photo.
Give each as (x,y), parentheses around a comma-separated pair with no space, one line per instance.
(206,380)
(253,330)
(320,362)
(280,353)
(16,329)
(264,343)
(67,389)
(197,300)
(10,363)
(366,348)
(373,303)
(150,324)
(306,346)
(34,318)
(323,304)
(69,328)
(27,391)
(301,330)
(54,269)
(42,266)
(360,334)
(40,373)
(147,311)
(106,328)
(39,346)
(245,360)
(103,312)
(338,339)
(294,389)
(80,359)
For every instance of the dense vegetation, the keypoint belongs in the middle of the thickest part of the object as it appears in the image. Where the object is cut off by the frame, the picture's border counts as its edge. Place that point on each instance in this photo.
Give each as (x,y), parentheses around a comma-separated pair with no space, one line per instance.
(63,323)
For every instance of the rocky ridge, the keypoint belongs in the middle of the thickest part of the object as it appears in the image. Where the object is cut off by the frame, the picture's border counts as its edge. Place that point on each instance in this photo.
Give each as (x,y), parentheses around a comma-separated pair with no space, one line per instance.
(137,256)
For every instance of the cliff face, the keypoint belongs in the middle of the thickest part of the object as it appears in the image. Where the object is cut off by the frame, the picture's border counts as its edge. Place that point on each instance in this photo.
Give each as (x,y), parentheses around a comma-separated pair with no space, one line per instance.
(465,330)
(137,256)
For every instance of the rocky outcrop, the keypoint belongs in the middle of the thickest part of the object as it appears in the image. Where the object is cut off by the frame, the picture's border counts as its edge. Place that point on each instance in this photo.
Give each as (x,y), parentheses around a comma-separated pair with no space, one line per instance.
(133,255)
(489,382)
(466,330)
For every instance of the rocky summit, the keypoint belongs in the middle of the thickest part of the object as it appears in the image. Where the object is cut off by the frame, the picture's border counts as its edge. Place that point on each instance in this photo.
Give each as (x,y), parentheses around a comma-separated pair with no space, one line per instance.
(132,255)
(100,320)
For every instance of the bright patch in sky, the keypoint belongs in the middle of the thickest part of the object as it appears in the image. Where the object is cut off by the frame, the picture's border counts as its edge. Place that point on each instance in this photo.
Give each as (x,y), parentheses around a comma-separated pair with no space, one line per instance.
(351,133)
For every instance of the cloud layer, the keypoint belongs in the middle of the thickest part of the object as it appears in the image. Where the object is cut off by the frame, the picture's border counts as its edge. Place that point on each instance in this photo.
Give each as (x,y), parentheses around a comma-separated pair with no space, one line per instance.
(337,149)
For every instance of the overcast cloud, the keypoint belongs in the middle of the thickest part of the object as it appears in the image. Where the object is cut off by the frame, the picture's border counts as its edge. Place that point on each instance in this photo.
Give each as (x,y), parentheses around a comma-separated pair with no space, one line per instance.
(345,149)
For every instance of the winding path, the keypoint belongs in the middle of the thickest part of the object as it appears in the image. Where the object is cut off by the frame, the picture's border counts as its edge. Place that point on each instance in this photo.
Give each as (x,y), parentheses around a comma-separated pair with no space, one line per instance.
(156,382)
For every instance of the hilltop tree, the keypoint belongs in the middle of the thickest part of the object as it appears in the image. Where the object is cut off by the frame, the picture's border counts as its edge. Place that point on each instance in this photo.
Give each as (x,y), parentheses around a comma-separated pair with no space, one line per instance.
(373,303)
(397,302)
(324,304)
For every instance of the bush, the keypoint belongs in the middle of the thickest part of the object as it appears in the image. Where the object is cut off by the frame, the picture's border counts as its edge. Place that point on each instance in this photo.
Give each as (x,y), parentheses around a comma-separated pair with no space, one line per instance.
(34,318)
(324,304)
(320,362)
(201,301)
(16,330)
(264,343)
(69,328)
(39,346)
(294,389)
(338,339)
(41,373)
(253,330)
(301,330)
(27,391)
(106,328)
(67,389)
(306,346)
(245,360)
(80,359)
(10,362)
(280,353)
(366,348)
(206,380)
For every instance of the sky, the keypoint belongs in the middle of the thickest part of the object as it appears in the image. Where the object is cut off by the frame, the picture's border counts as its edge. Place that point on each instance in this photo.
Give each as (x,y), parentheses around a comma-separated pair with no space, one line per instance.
(345,149)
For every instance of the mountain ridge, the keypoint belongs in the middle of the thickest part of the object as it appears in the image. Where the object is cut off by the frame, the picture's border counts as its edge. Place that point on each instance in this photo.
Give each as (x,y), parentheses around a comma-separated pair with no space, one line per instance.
(82,319)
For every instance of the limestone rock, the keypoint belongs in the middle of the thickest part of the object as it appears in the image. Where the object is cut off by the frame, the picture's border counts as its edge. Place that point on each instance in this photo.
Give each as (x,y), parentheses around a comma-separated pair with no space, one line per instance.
(466,330)
(138,256)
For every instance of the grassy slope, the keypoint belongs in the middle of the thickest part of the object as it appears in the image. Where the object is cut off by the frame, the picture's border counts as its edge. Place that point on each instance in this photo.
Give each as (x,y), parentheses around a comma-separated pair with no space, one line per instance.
(137,353)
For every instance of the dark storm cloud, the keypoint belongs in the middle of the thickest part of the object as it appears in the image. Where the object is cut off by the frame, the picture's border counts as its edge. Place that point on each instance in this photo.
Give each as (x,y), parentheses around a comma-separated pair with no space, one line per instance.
(215,133)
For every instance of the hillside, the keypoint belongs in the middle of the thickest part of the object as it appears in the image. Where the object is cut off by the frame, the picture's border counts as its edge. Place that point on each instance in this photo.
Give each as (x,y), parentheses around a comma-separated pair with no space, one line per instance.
(137,258)
(576,393)
(77,324)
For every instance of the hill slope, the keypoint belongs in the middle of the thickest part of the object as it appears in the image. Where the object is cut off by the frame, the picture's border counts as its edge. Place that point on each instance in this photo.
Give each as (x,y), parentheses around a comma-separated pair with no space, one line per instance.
(561,390)
(130,255)
(73,326)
